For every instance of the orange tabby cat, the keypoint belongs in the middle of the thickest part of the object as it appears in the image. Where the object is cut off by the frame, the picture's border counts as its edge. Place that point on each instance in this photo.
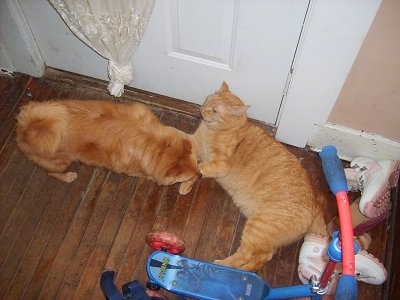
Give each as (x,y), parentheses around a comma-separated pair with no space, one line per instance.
(263,178)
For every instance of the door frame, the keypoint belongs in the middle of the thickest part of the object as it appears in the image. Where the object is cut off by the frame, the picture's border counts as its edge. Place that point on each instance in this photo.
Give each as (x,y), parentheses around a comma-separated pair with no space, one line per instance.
(321,64)
(18,46)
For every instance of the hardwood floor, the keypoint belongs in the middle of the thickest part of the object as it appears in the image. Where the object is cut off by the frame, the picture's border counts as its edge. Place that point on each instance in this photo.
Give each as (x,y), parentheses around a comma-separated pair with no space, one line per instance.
(57,238)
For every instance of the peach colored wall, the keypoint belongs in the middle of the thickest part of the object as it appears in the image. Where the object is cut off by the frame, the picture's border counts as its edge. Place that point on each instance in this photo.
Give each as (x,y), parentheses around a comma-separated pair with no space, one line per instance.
(370,98)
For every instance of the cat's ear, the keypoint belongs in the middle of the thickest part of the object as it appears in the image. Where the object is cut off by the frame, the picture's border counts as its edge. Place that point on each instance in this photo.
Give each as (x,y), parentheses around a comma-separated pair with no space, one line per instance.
(224,87)
(238,110)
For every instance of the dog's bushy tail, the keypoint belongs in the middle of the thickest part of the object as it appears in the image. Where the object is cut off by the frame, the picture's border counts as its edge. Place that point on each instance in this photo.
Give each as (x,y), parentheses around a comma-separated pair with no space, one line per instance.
(41,127)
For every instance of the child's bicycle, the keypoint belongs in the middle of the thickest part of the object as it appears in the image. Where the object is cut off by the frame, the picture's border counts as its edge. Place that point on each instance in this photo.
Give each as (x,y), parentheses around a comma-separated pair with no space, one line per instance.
(198,279)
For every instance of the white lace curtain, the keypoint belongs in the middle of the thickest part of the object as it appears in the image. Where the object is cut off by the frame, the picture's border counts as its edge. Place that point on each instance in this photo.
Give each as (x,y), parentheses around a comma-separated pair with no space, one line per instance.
(112,28)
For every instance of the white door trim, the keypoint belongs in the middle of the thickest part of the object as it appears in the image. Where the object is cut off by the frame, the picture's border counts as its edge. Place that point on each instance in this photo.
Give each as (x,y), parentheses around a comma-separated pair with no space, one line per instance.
(18,42)
(352,143)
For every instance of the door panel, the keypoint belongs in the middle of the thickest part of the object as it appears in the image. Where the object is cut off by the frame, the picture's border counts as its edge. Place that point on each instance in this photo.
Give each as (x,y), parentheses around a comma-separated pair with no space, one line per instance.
(213,41)
(191,46)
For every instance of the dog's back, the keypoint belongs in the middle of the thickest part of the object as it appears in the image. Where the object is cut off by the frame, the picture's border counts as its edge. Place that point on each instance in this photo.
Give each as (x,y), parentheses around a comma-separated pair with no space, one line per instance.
(41,127)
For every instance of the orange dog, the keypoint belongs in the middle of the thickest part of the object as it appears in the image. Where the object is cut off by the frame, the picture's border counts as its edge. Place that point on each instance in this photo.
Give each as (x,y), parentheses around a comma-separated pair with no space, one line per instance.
(126,138)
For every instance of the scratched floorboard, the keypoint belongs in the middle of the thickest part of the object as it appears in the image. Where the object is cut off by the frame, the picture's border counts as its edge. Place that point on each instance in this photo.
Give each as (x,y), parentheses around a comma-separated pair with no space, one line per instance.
(57,238)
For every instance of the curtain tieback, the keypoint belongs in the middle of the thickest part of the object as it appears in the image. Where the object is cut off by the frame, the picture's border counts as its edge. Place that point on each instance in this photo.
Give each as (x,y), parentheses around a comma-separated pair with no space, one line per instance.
(119,75)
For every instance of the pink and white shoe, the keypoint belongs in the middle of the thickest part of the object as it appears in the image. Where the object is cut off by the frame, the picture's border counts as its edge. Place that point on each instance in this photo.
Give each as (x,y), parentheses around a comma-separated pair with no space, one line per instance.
(374,179)
(313,259)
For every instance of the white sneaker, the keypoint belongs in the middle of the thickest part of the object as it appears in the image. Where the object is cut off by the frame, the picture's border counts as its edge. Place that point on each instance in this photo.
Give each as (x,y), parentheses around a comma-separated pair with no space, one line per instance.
(374,180)
(313,259)
(369,269)
(352,179)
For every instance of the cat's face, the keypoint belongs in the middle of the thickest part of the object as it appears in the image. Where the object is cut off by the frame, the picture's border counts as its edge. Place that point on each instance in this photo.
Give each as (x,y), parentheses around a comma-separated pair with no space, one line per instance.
(223,108)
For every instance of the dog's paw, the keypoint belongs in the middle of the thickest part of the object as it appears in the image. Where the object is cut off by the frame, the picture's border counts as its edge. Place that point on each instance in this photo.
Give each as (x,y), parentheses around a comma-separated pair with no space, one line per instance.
(185,187)
(66,177)
(70,176)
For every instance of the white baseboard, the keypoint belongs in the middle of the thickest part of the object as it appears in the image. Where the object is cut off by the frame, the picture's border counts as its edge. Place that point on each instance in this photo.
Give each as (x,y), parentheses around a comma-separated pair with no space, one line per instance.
(351,143)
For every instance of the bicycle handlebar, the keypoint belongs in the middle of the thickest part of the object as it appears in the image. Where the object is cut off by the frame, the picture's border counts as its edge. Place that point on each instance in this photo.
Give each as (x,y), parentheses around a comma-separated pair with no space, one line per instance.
(333,170)
(334,173)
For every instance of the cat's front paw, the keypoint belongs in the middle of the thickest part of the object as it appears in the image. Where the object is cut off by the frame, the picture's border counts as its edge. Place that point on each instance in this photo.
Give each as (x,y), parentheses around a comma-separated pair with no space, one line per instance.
(213,169)
(204,168)
(221,262)
(228,262)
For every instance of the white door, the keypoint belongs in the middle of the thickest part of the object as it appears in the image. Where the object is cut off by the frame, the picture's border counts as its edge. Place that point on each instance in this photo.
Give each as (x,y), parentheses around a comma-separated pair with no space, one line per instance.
(191,46)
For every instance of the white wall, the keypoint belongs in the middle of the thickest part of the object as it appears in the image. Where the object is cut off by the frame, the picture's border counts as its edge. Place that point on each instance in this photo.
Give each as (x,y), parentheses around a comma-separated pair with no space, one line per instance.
(366,113)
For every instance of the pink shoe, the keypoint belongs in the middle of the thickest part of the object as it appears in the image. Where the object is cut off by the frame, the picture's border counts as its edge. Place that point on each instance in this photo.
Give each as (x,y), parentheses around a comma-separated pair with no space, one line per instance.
(374,179)
(313,259)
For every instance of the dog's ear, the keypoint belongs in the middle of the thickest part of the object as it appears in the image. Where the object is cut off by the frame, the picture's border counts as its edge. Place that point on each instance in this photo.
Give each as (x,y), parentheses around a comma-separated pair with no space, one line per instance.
(175,171)
(187,146)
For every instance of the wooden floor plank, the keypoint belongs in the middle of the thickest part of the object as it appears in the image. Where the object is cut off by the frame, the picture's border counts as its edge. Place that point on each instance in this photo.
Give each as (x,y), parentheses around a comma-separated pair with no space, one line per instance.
(208,239)
(6,84)
(167,200)
(129,242)
(29,216)
(149,197)
(148,219)
(39,241)
(286,264)
(10,97)
(13,194)
(9,111)
(179,215)
(70,202)
(87,244)
(97,209)
(20,220)
(8,175)
(129,221)
(226,229)
(202,199)
(89,282)
(69,247)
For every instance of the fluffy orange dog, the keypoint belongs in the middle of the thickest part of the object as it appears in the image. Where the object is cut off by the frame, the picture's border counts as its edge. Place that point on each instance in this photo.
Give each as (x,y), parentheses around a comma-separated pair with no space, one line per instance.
(126,138)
